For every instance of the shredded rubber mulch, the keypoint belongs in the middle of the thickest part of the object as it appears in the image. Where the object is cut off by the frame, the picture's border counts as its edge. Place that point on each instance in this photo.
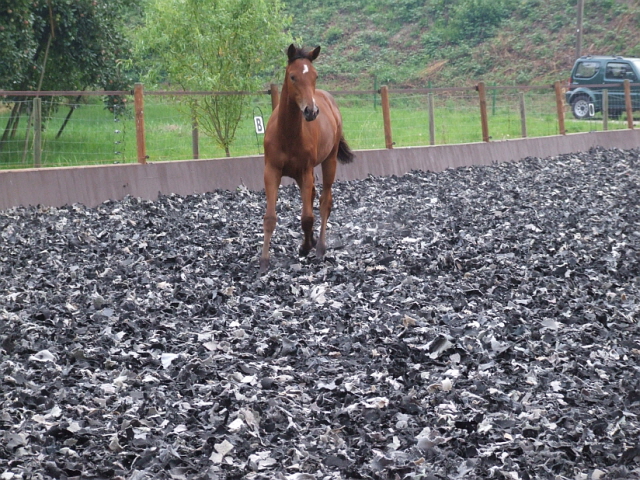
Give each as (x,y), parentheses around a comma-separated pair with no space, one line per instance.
(476,323)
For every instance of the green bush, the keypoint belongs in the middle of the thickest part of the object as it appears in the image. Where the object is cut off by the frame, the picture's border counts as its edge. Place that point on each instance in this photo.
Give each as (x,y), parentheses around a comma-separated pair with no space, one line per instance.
(467,21)
(475,20)
(333,34)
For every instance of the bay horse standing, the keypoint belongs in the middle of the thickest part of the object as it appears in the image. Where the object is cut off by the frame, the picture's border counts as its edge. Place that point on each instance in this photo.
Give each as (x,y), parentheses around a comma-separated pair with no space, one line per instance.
(304,130)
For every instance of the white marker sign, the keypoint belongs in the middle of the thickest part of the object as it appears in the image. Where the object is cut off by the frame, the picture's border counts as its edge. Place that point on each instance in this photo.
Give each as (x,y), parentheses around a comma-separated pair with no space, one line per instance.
(259,125)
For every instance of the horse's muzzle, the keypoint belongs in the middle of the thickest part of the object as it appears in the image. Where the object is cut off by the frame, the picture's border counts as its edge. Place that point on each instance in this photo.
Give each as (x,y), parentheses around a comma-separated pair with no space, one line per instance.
(310,113)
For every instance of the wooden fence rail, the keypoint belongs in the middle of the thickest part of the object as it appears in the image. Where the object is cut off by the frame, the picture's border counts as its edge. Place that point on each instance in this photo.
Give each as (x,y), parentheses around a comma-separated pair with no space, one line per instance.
(384,92)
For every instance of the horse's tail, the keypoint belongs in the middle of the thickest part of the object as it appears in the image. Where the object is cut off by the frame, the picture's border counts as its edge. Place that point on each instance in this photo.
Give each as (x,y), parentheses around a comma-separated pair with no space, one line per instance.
(345,155)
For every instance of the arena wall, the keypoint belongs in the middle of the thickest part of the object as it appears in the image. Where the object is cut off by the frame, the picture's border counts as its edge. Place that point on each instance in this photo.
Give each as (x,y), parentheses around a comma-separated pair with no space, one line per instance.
(93,185)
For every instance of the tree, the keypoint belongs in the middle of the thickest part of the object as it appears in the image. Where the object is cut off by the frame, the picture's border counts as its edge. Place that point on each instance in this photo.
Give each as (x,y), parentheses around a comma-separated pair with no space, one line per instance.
(62,45)
(17,43)
(215,45)
(87,40)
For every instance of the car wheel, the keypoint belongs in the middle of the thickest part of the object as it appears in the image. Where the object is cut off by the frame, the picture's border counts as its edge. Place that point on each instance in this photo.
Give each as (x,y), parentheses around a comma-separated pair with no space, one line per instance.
(580,107)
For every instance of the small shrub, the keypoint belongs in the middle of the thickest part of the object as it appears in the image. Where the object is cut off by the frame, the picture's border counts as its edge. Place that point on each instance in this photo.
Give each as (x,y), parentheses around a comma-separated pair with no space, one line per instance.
(523,78)
(333,34)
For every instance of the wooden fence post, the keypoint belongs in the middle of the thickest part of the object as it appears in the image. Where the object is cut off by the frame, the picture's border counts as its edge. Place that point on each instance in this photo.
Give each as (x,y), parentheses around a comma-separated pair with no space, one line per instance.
(560,107)
(37,132)
(275,96)
(386,116)
(195,144)
(28,129)
(138,101)
(605,109)
(484,120)
(627,102)
(523,115)
(432,124)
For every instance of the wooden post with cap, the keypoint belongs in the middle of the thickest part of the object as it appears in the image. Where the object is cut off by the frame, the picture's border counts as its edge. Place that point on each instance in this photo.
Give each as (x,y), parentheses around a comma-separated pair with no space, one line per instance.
(37,132)
(386,116)
(523,115)
(627,102)
(605,109)
(560,107)
(484,119)
(432,121)
(195,138)
(138,101)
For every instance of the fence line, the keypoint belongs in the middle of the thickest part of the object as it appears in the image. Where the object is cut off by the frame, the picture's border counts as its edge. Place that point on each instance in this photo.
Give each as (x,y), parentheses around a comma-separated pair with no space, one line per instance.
(405,117)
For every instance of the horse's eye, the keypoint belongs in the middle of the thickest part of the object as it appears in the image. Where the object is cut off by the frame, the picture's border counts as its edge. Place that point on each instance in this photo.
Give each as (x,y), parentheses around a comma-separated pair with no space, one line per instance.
(293,78)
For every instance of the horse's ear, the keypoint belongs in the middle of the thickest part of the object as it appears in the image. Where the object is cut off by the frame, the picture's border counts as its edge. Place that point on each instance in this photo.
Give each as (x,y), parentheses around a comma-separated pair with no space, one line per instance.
(291,53)
(314,53)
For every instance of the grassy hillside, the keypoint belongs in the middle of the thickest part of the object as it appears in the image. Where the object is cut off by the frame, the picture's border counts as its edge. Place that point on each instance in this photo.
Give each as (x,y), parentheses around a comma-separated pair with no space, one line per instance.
(459,42)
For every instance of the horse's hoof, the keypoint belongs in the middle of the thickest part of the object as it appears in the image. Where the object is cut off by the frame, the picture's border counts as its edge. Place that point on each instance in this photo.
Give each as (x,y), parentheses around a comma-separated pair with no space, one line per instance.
(321,249)
(264,265)
(303,251)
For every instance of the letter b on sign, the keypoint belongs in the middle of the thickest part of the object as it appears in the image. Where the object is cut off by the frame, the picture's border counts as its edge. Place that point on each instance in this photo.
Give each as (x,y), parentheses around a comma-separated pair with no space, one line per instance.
(259,125)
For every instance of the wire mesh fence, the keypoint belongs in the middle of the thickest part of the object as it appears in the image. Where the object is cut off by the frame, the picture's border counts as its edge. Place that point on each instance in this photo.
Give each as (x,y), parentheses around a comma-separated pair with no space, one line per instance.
(174,131)
(420,118)
(522,113)
(611,114)
(72,132)
(362,119)
(84,129)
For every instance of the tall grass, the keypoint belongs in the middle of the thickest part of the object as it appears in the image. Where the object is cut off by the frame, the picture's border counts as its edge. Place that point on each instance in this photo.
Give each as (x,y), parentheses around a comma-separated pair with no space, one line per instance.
(94,135)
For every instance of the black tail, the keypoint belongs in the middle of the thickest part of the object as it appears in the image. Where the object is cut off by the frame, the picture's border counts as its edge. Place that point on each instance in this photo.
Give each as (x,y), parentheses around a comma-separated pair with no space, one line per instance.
(345,155)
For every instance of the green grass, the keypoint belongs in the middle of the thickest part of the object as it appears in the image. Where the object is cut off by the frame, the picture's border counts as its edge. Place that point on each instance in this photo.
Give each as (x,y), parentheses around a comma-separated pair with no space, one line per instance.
(95,136)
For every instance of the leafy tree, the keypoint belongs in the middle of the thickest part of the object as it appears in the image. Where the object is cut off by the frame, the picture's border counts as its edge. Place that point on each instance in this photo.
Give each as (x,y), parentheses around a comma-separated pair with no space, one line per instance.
(88,41)
(62,45)
(215,45)
(16,41)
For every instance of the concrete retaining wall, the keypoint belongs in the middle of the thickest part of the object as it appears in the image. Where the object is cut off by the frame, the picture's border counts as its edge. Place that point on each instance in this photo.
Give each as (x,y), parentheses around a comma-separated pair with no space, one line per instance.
(96,184)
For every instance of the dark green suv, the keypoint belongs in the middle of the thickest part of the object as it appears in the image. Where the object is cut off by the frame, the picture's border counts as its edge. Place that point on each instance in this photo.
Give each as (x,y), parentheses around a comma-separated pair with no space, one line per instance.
(592,74)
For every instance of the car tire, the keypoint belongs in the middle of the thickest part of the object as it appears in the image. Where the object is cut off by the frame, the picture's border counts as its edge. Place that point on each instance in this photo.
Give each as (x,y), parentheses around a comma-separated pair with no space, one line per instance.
(580,107)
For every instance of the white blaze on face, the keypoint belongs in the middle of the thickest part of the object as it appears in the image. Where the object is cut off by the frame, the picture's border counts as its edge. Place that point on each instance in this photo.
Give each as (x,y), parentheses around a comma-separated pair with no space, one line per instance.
(305,69)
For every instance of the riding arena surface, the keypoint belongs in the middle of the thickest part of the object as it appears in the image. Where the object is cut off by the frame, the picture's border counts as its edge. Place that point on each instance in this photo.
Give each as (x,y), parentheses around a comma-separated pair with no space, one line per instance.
(475,323)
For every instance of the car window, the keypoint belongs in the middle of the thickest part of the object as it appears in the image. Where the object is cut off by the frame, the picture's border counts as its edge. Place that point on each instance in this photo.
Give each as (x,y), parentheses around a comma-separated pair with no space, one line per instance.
(633,77)
(617,70)
(587,69)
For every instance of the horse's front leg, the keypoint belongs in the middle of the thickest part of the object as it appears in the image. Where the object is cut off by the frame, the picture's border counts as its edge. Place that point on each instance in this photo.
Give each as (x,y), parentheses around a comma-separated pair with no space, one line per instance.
(326,202)
(272,178)
(307,193)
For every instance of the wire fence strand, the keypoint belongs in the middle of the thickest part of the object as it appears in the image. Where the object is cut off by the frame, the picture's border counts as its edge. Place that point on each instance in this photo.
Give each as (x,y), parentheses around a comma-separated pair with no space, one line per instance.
(81,128)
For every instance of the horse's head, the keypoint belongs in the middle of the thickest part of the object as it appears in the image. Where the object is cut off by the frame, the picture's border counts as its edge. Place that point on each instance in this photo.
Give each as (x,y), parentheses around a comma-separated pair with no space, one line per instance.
(301,79)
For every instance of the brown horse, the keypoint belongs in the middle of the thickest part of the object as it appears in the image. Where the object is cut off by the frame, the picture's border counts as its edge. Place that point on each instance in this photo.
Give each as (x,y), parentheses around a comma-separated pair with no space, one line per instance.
(305,130)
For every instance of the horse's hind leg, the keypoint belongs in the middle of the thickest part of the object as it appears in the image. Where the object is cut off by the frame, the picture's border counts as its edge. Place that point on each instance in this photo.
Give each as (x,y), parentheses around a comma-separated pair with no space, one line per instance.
(307,193)
(326,203)
(272,178)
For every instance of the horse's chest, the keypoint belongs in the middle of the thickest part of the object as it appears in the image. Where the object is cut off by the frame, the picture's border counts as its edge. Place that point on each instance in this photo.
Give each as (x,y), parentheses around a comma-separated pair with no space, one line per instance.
(298,164)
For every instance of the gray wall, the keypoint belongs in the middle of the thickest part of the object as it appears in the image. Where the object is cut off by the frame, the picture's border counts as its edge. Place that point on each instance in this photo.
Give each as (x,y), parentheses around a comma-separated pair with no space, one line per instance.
(96,184)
